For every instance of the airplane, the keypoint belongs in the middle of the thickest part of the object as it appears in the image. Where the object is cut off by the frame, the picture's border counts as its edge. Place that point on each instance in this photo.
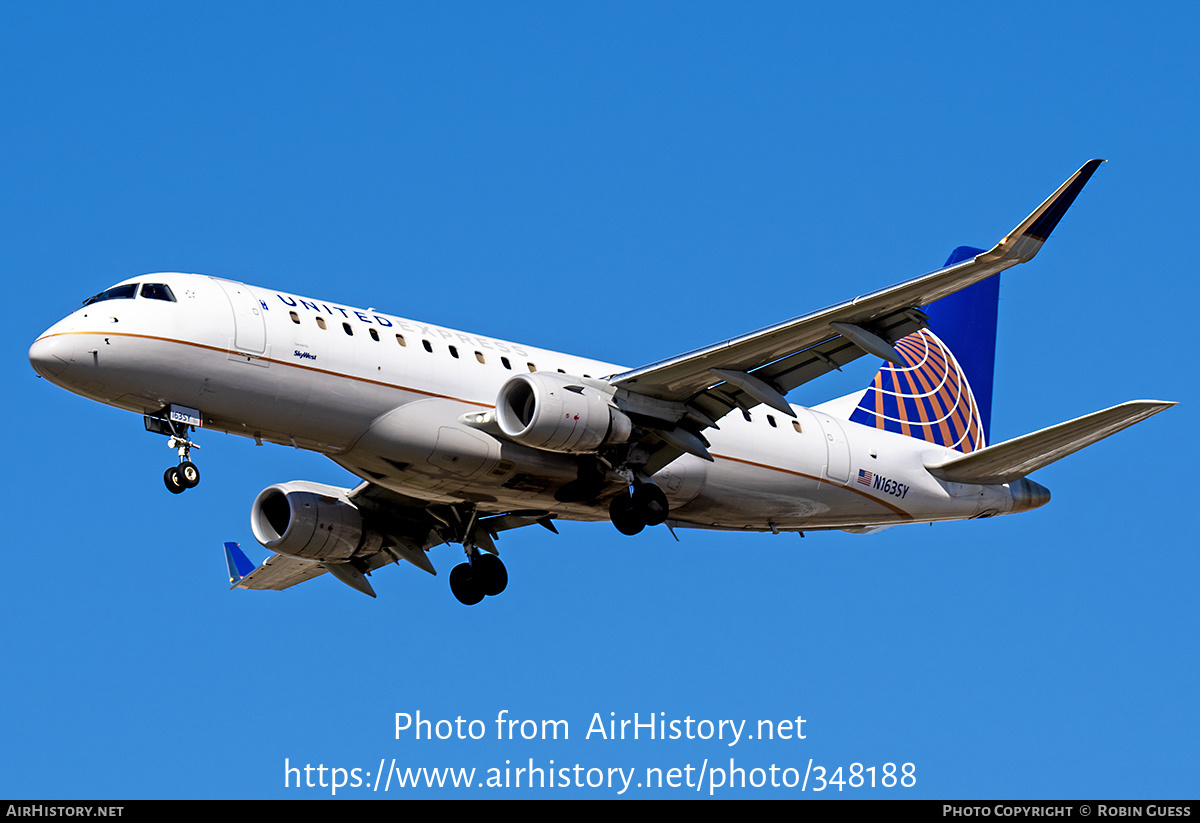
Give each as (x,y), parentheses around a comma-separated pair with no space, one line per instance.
(458,437)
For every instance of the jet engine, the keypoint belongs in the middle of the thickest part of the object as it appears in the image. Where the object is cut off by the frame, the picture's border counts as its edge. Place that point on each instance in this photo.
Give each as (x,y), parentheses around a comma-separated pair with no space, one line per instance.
(557,412)
(311,521)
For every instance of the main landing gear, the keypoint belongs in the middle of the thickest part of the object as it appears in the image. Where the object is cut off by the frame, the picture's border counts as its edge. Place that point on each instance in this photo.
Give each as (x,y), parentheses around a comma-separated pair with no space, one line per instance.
(482,575)
(647,506)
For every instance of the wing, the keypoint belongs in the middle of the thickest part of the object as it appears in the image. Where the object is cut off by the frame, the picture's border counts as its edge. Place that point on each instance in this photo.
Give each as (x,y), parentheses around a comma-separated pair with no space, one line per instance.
(414,526)
(277,572)
(700,387)
(406,528)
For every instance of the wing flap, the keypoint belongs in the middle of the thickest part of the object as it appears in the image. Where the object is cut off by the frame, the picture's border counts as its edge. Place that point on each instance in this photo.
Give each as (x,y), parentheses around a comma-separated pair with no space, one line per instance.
(797,369)
(1014,459)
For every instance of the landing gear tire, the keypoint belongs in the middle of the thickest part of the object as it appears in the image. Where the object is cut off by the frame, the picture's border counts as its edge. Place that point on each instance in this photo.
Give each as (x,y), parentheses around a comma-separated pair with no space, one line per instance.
(624,516)
(173,481)
(189,475)
(651,504)
(464,585)
(647,506)
(490,574)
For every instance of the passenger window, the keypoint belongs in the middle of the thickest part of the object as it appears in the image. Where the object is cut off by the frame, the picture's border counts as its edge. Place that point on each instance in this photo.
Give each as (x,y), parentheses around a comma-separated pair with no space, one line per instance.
(400,340)
(771,420)
(507,365)
(746,415)
(796,426)
(349,331)
(427,345)
(158,291)
(374,335)
(454,352)
(479,357)
(531,367)
(295,317)
(321,322)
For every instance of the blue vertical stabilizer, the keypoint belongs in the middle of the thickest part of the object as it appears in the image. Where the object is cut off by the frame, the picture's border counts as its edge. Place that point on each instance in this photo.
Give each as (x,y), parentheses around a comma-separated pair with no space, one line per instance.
(942,392)
(966,322)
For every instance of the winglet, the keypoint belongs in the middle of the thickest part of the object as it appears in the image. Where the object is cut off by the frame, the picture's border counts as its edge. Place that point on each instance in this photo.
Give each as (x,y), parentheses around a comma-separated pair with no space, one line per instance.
(239,565)
(1023,242)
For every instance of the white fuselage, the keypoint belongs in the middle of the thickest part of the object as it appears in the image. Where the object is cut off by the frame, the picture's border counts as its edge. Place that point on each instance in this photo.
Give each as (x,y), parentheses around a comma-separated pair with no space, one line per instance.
(382,397)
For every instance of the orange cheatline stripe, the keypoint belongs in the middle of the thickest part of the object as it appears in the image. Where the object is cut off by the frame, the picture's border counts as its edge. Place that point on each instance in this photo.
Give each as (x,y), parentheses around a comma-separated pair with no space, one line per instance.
(901,512)
(222,350)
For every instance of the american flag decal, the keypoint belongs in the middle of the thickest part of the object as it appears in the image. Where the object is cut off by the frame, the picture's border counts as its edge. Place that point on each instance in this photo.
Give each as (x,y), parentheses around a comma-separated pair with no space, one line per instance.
(864,477)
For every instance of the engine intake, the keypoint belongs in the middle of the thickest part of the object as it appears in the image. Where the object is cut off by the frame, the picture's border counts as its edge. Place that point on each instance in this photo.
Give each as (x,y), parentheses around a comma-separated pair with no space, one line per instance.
(557,412)
(311,521)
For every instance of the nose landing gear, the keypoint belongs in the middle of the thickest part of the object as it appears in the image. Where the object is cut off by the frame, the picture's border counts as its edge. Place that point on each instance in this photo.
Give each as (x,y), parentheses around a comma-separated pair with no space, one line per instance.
(177,479)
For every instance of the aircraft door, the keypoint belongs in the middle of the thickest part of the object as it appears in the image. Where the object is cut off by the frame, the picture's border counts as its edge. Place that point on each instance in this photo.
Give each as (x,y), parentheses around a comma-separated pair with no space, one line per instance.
(250,331)
(837,463)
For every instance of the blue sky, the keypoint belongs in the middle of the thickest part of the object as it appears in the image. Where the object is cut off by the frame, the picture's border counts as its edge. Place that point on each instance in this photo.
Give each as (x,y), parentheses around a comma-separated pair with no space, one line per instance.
(626,182)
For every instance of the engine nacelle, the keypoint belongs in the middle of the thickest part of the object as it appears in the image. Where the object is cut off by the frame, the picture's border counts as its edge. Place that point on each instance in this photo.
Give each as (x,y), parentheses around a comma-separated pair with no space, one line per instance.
(311,521)
(557,412)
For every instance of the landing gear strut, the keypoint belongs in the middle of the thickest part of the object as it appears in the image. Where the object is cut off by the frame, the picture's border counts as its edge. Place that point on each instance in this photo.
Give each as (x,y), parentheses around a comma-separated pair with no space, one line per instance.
(175,422)
(647,506)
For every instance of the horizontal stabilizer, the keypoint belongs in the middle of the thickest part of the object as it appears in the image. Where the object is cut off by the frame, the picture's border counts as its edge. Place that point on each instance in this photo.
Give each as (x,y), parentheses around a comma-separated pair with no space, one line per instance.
(1013,459)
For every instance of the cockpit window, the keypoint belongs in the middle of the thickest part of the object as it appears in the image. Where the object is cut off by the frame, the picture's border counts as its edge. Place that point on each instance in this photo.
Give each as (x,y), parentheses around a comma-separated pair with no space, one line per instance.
(158,291)
(125,292)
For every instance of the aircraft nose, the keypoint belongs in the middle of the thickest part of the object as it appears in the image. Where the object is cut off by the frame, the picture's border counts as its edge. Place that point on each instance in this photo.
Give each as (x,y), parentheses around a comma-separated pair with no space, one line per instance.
(50,355)
(1028,495)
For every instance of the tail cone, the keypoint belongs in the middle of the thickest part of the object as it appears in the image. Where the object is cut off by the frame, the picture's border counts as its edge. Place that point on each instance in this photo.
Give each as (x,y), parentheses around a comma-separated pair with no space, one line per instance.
(1028,495)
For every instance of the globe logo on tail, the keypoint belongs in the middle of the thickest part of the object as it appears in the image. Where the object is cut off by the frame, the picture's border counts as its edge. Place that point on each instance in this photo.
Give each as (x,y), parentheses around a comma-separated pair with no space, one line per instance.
(928,398)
